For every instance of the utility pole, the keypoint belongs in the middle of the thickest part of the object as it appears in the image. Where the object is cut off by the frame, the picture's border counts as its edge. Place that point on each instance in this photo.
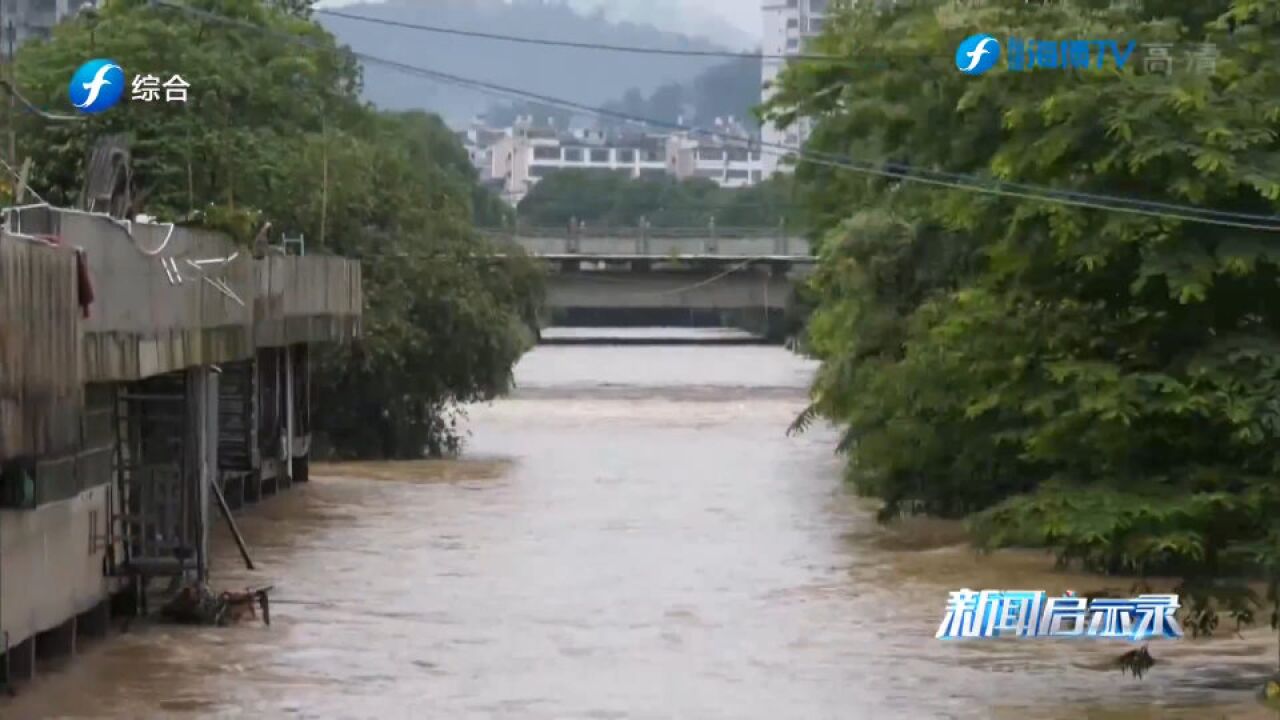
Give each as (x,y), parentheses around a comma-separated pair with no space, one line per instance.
(324,174)
(11,32)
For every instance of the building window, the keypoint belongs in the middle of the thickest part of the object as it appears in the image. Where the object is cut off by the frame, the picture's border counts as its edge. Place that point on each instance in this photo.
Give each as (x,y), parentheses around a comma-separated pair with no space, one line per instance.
(573,154)
(738,155)
(626,156)
(599,156)
(545,153)
(793,44)
(738,175)
(815,25)
(793,23)
(709,154)
(817,6)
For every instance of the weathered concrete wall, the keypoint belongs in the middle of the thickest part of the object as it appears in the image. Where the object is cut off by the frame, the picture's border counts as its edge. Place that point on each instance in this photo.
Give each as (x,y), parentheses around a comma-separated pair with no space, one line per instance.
(144,324)
(40,374)
(147,320)
(667,290)
(50,564)
(141,323)
(306,300)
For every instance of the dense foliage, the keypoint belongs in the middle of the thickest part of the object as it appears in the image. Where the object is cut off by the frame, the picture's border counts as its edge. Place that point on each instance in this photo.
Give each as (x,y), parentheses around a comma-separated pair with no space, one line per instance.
(275,131)
(599,197)
(727,90)
(1103,384)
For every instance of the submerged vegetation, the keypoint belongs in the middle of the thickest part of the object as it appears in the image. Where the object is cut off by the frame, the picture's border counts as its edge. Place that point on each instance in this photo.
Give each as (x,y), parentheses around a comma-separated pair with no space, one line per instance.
(1102,384)
(275,130)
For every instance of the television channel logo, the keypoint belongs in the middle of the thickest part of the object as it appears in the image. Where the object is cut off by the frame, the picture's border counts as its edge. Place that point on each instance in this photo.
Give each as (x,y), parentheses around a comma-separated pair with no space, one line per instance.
(977,54)
(97,86)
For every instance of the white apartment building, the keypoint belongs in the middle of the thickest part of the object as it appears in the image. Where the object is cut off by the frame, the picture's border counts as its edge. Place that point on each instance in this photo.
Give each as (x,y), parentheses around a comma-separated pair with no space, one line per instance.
(479,141)
(732,160)
(515,159)
(21,20)
(787,24)
(525,155)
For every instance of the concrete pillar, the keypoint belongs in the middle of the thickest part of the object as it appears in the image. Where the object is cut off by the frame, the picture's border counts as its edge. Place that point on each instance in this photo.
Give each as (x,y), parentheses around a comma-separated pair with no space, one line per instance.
(288,414)
(58,642)
(202,458)
(20,662)
(96,622)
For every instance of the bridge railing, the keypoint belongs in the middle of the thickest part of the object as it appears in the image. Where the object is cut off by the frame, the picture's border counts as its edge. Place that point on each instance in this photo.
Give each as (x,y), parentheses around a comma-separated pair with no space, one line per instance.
(656,241)
(632,232)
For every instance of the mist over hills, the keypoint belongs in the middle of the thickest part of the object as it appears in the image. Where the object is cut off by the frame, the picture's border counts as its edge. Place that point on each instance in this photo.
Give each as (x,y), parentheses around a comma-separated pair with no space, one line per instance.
(585,76)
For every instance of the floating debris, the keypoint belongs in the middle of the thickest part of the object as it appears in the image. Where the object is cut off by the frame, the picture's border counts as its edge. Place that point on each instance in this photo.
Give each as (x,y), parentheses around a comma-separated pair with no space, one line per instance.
(196,604)
(1137,661)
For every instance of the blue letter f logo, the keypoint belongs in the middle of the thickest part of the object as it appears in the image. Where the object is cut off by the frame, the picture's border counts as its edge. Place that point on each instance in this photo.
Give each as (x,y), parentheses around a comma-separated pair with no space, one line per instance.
(977,54)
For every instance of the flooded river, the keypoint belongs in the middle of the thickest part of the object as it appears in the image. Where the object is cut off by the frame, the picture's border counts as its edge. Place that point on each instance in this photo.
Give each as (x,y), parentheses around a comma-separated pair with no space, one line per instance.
(631,536)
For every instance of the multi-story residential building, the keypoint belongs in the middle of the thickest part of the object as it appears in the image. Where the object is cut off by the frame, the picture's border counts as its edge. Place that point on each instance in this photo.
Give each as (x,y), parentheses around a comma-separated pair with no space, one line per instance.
(478,141)
(732,158)
(517,158)
(525,155)
(22,20)
(787,24)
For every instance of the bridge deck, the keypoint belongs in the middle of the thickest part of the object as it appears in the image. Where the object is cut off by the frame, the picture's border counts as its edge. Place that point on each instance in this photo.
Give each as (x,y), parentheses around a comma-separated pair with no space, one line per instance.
(691,244)
(699,257)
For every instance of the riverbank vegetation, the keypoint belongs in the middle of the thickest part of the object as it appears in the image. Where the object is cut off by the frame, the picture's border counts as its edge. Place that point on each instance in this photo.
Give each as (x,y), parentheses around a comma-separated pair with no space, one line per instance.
(604,198)
(1093,382)
(274,130)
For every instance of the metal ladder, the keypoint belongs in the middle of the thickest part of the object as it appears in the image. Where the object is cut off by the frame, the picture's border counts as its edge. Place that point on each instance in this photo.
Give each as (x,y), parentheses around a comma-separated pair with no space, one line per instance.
(152,502)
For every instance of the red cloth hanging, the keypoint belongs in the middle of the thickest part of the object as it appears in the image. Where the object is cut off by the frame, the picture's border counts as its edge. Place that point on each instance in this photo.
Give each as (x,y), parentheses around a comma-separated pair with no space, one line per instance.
(84,280)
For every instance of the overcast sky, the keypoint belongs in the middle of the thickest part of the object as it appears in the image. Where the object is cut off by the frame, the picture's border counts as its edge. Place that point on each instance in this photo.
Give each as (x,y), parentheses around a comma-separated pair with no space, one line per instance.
(708,18)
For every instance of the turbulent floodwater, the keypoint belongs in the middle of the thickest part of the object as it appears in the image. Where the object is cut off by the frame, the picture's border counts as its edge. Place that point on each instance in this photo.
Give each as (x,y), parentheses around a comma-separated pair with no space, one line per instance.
(631,536)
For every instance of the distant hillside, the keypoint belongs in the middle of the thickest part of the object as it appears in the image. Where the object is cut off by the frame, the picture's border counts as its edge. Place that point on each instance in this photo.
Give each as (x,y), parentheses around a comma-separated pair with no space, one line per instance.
(591,77)
(730,89)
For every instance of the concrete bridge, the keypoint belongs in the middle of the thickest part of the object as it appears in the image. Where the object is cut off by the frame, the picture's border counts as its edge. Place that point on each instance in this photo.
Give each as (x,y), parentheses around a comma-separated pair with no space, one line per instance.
(675,277)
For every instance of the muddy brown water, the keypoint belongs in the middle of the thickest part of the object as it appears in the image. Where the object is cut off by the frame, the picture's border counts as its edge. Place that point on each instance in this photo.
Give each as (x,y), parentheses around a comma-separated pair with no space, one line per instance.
(630,536)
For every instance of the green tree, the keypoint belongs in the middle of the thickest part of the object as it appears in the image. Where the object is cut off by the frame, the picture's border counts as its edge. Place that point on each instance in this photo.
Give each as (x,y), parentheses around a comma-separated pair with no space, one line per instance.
(1099,383)
(615,198)
(276,130)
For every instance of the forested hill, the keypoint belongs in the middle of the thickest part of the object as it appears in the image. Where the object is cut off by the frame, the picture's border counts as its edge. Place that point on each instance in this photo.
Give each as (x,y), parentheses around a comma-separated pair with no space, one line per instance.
(730,89)
(580,75)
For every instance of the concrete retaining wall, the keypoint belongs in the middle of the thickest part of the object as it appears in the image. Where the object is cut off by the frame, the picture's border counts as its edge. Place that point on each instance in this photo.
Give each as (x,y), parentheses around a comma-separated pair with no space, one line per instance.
(307,299)
(50,564)
(40,386)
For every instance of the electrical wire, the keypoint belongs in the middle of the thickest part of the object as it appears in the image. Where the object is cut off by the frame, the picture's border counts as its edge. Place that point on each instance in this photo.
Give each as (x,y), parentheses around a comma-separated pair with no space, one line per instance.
(18,176)
(736,267)
(56,117)
(956,181)
(526,40)
(635,49)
